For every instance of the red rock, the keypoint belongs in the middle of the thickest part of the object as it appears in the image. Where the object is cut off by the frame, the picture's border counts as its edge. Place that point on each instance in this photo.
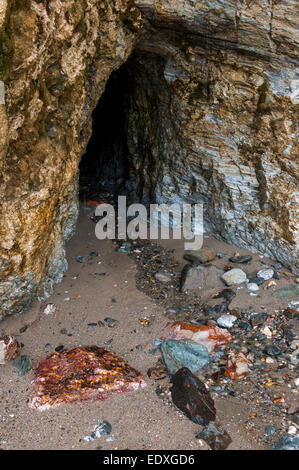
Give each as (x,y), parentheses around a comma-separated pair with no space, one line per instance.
(80,374)
(209,335)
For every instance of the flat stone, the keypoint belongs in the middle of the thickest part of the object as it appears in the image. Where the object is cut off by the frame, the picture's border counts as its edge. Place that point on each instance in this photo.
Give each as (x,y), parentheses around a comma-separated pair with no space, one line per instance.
(184,353)
(226,321)
(200,256)
(191,396)
(234,276)
(241,259)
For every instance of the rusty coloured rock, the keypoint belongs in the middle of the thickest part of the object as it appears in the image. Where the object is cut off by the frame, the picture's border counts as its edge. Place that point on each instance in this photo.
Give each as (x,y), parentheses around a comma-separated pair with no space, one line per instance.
(80,374)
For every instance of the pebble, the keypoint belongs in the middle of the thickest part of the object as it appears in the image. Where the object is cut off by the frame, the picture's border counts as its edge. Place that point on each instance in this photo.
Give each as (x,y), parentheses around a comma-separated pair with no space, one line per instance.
(163,277)
(94,254)
(226,321)
(241,259)
(50,309)
(287,292)
(256,280)
(183,353)
(111,322)
(200,256)
(252,286)
(277,266)
(272,350)
(234,276)
(102,429)
(80,259)
(270,430)
(23,364)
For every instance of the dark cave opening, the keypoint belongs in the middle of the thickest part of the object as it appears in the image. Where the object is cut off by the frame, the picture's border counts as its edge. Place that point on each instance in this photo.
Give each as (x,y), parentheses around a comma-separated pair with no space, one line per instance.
(104,168)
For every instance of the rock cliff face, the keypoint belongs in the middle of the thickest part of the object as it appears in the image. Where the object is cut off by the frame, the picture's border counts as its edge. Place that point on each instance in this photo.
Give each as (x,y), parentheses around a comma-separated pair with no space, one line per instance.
(211,116)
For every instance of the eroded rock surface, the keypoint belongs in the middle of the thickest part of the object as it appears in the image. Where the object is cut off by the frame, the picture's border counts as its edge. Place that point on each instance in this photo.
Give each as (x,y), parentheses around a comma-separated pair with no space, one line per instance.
(211,117)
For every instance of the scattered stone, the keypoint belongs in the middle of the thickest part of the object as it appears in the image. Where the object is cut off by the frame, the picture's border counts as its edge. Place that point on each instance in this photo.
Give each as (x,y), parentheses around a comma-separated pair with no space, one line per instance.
(227,294)
(23,329)
(226,321)
(9,348)
(80,374)
(50,309)
(287,292)
(241,259)
(200,256)
(122,250)
(102,429)
(215,436)
(80,259)
(234,276)
(163,277)
(272,350)
(294,304)
(270,430)
(59,348)
(183,353)
(111,322)
(208,335)
(256,280)
(92,324)
(191,396)
(237,365)
(286,443)
(199,277)
(159,371)
(265,274)
(94,254)
(23,364)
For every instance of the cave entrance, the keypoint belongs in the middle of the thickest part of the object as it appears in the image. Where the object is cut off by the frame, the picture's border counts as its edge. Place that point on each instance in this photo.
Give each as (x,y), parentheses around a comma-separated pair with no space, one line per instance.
(105,167)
